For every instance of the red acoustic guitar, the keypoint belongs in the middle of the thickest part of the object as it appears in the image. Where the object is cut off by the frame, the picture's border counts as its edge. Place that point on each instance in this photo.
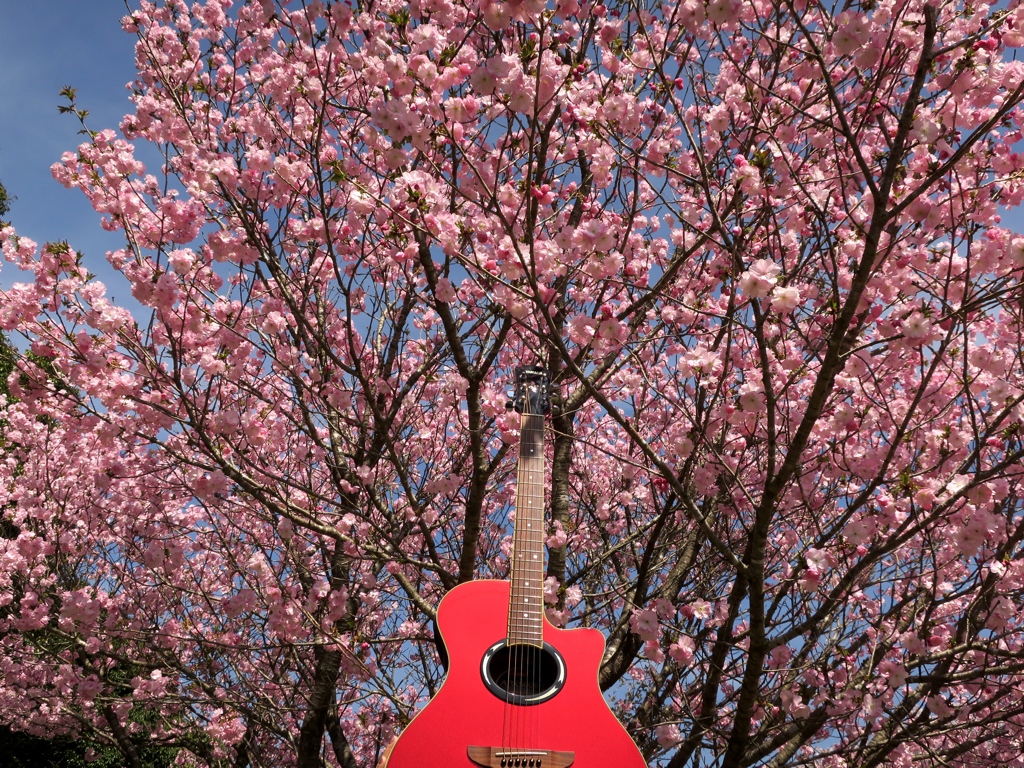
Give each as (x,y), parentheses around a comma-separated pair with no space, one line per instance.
(519,693)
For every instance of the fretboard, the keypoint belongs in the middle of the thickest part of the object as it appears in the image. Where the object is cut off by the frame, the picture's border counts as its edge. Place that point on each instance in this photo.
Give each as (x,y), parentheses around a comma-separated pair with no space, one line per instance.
(526,609)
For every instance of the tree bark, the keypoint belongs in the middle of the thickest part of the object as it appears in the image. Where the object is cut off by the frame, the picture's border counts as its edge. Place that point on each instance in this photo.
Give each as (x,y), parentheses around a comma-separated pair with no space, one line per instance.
(243,757)
(561,463)
(342,750)
(321,698)
(124,742)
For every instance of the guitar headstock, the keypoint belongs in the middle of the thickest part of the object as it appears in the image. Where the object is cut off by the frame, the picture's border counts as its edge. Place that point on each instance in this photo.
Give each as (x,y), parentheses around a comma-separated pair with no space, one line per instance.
(532,396)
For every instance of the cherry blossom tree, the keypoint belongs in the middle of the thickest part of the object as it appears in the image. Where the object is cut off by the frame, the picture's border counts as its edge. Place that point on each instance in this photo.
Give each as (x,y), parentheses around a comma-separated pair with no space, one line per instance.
(759,247)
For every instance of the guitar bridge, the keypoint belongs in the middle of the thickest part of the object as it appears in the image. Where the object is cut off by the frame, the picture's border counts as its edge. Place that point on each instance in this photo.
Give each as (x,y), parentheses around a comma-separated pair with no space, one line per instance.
(507,757)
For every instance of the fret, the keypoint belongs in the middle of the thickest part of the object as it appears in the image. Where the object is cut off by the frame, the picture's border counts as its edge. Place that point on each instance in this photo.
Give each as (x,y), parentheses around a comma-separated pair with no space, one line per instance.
(526,609)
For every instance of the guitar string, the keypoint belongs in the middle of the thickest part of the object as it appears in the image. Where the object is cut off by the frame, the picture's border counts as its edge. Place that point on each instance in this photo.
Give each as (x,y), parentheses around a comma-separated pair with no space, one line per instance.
(526,635)
(518,549)
(521,729)
(526,652)
(538,528)
(539,533)
(523,650)
(538,523)
(522,521)
(534,528)
(536,442)
(539,548)
(506,739)
(515,628)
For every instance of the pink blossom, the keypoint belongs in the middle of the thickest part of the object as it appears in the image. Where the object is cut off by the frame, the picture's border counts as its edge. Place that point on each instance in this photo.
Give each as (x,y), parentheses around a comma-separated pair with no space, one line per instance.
(483,81)
(612,329)
(165,292)
(692,14)
(751,397)
(557,538)
(645,623)
(940,707)
(1001,611)
(682,650)
(551,586)
(90,688)
(785,299)
(1015,249)
(722,12)
(718,118)
(594,235)
(794,705)
(181,260)
(573,595)
(653,652)
(818,559)
(581,330)
(759,280)
(926,130)
(698,609)
(895,674)
(274,322)
(667,735)
(444,291)
(917,328)
(852,31)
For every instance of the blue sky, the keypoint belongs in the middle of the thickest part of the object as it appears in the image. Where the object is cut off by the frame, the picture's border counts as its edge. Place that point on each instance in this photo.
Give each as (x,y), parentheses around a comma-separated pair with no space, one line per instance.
(44,46)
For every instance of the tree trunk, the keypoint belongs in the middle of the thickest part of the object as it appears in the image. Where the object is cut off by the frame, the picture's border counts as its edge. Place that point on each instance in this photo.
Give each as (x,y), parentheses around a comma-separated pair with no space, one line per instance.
(124,743)
(321,698)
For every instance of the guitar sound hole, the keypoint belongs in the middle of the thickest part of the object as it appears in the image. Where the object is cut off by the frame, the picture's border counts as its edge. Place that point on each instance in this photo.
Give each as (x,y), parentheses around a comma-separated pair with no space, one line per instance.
(523,674)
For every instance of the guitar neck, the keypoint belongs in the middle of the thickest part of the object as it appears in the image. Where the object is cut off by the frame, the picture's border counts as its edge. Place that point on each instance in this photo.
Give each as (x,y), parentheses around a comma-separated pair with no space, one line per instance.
(526,608)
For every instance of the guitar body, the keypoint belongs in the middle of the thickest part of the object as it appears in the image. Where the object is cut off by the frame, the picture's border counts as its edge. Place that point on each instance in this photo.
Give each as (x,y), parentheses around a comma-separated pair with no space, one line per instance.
(575,721)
